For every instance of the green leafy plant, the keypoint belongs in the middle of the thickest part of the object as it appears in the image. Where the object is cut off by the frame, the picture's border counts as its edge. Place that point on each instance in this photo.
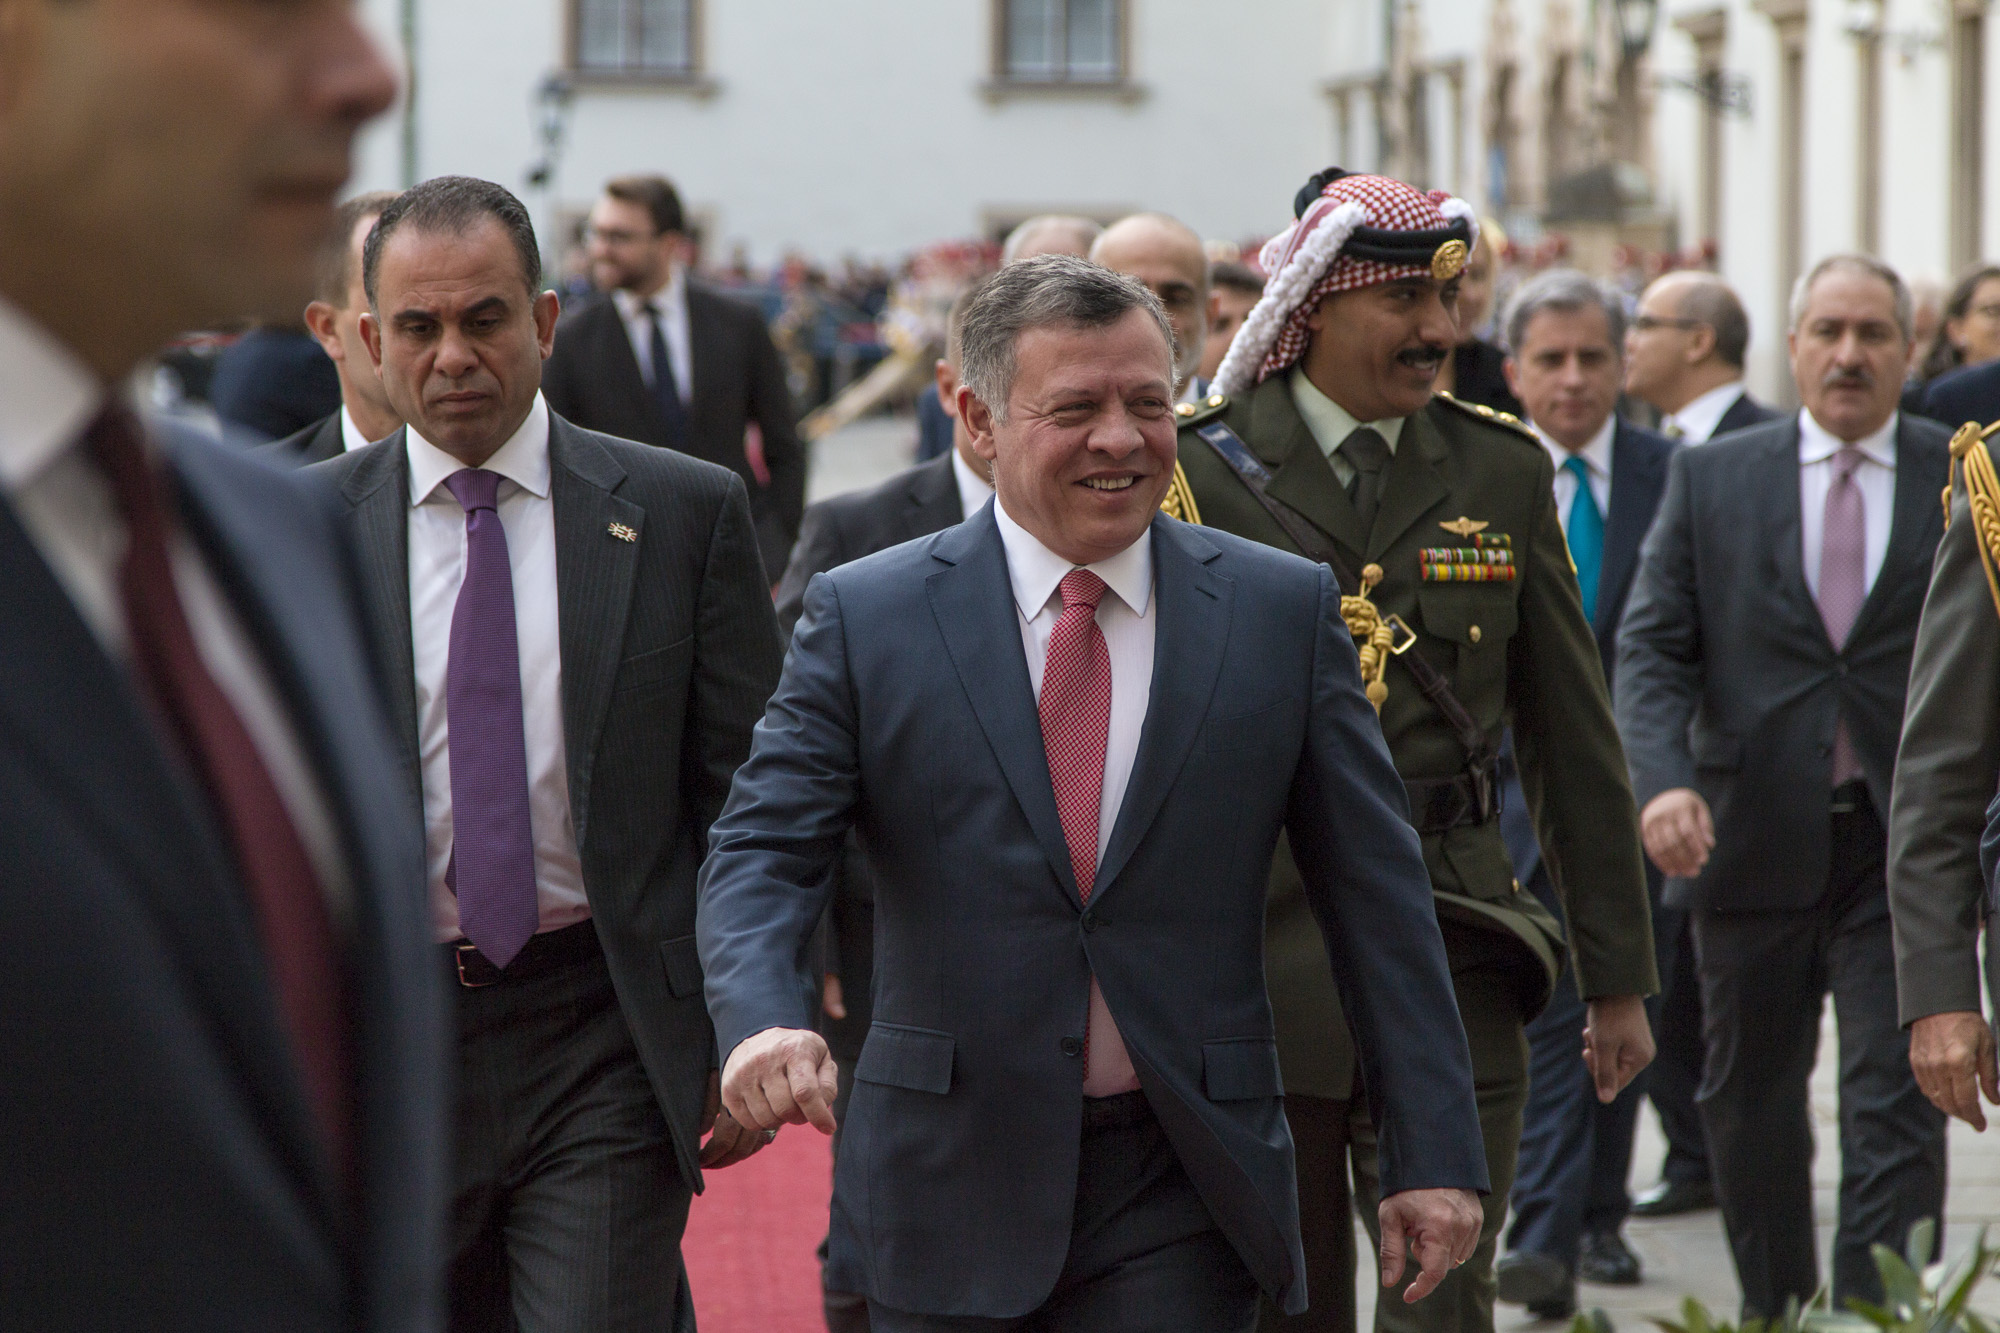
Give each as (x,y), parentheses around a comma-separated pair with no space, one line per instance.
(1918,1297)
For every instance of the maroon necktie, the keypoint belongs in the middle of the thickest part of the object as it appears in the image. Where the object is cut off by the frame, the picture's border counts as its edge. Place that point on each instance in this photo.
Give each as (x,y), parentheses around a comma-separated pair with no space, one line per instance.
(300,949)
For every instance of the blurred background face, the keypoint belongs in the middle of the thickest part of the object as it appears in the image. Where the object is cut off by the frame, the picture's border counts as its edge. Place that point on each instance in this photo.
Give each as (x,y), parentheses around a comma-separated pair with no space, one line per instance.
(1475,288)
(457,336)
(626,251)
(1976,333)
(1660,344)
(1377,350)
(185,154)
(1228,307)
(1087,450)
(1566,373)
(1848,353)
(1169,259)
(338,327)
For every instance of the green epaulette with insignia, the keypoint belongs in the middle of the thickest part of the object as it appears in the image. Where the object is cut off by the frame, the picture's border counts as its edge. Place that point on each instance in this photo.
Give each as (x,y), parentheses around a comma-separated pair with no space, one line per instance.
(1205,409)
(1485,413)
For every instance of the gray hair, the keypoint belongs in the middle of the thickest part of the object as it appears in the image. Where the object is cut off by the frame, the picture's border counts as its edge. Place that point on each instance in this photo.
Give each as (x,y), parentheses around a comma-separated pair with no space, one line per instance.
(1080,233)
(1868,266)
(1563,290)
(1048,290)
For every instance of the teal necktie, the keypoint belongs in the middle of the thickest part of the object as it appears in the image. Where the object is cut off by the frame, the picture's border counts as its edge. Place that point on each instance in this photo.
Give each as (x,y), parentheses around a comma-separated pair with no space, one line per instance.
(1586,535)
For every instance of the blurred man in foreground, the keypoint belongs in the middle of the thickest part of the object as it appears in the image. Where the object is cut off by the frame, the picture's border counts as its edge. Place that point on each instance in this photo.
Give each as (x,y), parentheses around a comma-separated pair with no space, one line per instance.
(222,1042)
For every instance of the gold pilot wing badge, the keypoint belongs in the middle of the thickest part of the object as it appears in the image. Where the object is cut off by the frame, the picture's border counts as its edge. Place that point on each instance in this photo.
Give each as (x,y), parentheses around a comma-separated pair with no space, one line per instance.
(1463,526)
(623,532)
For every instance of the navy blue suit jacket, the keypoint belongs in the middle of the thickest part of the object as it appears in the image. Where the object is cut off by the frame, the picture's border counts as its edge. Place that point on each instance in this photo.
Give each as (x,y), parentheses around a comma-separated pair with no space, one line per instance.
(906,713)
(1971,393)
(162,1169)
(1639,460)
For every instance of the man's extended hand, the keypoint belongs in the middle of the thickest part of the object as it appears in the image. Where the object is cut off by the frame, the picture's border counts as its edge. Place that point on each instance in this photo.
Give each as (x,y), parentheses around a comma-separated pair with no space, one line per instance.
(1677,831)
(729,1140)
(1440,1225)
(781,1076)
(1952,1056)
(1617,1042)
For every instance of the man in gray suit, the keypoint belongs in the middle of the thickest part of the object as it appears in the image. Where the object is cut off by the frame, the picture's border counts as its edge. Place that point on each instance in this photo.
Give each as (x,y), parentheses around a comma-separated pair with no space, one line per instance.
(220,1037)
(1761,675)
(576,639)
(1069,731)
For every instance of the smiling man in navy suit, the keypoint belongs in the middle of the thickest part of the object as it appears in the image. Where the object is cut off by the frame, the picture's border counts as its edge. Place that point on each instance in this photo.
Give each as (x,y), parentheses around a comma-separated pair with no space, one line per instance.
(1068,732)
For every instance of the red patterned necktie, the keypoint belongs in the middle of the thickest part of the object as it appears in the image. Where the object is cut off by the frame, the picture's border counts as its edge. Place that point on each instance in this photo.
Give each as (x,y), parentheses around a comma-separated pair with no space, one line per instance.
(1076,719)
(293,924)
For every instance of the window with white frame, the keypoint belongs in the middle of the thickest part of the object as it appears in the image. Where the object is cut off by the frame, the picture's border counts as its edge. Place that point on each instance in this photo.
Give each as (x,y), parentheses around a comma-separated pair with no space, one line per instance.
(1061,41)
(639,37)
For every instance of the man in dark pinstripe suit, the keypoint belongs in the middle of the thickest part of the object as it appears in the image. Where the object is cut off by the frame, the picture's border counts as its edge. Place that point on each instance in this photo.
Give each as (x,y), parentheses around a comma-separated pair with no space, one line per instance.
(576,640)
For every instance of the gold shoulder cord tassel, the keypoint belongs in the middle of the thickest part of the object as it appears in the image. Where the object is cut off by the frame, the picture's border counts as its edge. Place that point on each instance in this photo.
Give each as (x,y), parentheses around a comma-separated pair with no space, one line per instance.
(1179,499)
(1971,462)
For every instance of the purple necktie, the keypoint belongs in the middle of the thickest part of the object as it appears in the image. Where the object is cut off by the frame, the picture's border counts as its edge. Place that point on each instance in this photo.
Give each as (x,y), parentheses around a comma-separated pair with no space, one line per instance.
(1843,581)
(493,846)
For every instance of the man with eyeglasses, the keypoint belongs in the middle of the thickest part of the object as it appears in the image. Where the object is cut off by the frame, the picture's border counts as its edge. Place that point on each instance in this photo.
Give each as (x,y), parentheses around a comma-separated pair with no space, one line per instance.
(665,360)
(1684,356)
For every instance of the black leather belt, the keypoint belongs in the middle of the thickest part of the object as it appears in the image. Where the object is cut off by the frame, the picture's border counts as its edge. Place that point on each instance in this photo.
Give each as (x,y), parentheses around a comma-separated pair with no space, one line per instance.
(548,952)
(1471,797)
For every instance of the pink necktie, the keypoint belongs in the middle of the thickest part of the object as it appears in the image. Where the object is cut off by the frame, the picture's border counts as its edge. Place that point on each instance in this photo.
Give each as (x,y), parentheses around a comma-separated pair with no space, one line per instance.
(1075,710)
(1843,581)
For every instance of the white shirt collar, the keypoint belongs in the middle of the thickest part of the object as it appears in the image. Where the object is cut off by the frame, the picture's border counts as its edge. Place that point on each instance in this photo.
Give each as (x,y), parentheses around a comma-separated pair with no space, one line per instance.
(1699,418)
(523,460)
(632,306)
(1817,443)
(1329,422)
(1035,571)
(351,437)
(47,397)
(973,490)
(1596,455)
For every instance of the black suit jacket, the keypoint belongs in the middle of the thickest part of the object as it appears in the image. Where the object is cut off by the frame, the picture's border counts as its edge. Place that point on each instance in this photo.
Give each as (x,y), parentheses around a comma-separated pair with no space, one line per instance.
(1727,682)
(914,503)
(161,1167)
(1744,413)
(593,380)
(1638,479)
(315,444)
(273,382)
(669,650)
(1971,393)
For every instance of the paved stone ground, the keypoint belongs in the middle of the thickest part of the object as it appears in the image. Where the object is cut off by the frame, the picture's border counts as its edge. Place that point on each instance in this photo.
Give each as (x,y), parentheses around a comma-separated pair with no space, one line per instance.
(1683,1256)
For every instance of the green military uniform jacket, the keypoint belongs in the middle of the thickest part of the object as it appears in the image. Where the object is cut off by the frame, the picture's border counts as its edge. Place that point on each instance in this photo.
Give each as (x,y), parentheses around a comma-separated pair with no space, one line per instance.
(1516,653)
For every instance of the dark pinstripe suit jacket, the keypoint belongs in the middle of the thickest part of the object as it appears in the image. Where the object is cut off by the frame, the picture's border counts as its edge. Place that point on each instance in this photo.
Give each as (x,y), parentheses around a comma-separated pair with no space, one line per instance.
(669,650)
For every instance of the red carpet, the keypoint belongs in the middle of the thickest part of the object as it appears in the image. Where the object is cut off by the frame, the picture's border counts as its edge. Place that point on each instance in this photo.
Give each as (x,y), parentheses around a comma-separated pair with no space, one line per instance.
(752,1238)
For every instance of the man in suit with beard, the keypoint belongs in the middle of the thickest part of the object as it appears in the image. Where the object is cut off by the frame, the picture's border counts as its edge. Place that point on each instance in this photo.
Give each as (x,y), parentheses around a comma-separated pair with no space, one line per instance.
(662,359)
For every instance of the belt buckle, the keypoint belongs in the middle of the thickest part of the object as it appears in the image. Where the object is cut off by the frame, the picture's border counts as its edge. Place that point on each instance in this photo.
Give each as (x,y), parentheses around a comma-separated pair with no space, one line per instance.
(458,956)
(1396,622)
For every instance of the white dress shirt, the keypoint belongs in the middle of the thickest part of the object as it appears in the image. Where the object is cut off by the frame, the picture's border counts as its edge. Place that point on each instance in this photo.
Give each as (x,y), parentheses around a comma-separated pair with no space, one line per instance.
(1596,457)
(437,570)
(1331,424)
(1125,615)
(672,303)
(1876,477)
(351,437)
(1697,420)
(47,399)
(973,490)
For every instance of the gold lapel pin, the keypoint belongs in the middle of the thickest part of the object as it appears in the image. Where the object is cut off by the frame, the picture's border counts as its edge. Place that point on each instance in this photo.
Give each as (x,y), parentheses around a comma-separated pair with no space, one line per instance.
(1464,527)
(625,533)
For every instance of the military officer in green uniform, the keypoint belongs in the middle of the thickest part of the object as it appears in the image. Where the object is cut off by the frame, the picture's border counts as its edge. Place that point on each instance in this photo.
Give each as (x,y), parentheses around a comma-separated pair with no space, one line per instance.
(1323,436)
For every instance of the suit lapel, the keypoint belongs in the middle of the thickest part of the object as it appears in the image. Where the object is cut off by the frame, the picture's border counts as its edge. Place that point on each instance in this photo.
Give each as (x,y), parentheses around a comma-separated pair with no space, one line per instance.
(1910,542)
(1192,633)
(595,570)
(972,601)
(1635,489)
(379,490)
(621,364)
(934,503)
(1774,493)
(1302,477)
(706,360)
(1416,482)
